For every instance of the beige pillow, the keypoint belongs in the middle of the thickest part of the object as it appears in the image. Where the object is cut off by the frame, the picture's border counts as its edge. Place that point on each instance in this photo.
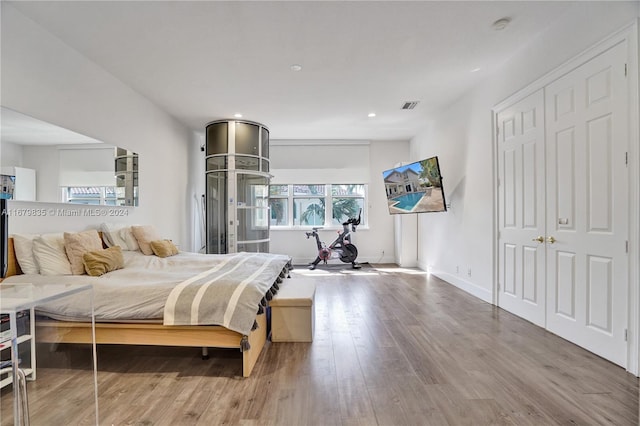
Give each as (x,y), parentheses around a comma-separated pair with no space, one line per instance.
(50,255)
(100,262)
(144,235)
(163,248)
(79,243)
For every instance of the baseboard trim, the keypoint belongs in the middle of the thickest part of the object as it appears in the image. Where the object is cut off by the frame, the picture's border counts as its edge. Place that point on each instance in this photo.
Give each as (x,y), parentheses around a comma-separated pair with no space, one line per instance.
(469,287)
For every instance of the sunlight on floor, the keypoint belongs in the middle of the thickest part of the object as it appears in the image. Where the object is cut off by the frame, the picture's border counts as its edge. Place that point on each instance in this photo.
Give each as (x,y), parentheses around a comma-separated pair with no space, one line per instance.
(402,270)
(368,270)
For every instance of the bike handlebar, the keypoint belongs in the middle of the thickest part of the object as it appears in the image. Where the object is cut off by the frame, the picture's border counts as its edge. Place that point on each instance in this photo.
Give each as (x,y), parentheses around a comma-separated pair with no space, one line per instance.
(353,221)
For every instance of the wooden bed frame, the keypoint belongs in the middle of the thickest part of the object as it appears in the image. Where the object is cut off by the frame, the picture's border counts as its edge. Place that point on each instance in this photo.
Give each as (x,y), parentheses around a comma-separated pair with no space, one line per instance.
(204,336)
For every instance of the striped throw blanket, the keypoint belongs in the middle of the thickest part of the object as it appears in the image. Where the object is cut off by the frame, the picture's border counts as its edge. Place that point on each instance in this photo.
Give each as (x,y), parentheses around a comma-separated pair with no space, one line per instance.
(228,294)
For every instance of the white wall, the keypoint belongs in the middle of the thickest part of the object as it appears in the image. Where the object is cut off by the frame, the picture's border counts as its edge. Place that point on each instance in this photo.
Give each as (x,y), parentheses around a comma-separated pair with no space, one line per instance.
(197,190)
(46,79)
(45,160)
(11,155)
(461,240)
(372,238)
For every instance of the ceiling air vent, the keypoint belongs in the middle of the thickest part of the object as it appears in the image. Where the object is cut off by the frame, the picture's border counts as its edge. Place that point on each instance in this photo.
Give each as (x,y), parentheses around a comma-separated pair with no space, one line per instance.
(410,104)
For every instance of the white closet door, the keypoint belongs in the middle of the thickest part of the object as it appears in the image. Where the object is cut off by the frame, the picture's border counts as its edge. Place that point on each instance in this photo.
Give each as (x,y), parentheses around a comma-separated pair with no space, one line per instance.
(587,206)
(522,208)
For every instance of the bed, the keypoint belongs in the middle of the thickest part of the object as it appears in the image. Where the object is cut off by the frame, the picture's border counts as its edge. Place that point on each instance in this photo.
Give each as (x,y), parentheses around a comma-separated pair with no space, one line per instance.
(154,289)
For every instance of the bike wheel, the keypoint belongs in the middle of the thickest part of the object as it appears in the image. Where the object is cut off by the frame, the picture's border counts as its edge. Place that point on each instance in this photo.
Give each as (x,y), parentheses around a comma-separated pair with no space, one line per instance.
(349,253)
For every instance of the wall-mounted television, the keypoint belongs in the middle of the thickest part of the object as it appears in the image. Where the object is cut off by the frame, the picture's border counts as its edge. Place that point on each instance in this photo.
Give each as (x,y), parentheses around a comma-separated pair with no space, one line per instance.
(415,188)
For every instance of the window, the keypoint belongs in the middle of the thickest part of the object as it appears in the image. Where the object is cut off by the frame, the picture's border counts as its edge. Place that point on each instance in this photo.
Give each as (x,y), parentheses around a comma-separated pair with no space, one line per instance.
(278,205)
(93,195)
(309,205)
(347,201)
(315,205)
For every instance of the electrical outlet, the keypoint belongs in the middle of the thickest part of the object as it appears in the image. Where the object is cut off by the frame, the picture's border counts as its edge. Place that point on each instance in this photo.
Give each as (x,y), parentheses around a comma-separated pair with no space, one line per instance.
(469,271)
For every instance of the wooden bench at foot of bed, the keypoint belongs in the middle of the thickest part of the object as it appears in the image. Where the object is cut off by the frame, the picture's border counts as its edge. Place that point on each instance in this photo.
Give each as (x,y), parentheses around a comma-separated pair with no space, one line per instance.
(50,331)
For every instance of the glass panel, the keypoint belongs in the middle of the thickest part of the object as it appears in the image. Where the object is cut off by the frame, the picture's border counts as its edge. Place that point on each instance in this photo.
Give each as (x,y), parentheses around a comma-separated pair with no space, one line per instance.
(347,190)
(217,137)
(308,211)
(262,247)
(247,138)
(216,163)
(279,211)
(121,165)
(345,208)
(126,172)
(265,143)
(308,190)
(247,163)
(253,190)
(253,224)
(126,162)
(265,166)
(282,190)
(217,212)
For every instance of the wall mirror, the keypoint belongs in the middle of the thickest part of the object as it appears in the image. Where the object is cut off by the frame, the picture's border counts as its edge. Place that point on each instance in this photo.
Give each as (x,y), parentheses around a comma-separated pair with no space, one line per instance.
(43,162)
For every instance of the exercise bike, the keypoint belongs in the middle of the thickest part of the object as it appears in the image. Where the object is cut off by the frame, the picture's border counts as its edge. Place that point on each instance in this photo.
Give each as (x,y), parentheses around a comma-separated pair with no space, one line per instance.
(340,248)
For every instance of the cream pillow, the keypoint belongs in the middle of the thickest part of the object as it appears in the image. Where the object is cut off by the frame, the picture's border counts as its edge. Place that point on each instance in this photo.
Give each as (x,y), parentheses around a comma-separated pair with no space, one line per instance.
(23,246)
(100,262)
(118,235)
(144,235)
(79,243)
(127,235)
(164,248)
(49,252)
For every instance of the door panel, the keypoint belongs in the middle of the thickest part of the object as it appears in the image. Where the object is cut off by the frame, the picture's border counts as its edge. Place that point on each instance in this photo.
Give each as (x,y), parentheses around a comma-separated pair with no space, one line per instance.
(599,290)
(565,290)
(530,274)
(587,207)
(530,164)
(522,215)
(599,185)
(509,269)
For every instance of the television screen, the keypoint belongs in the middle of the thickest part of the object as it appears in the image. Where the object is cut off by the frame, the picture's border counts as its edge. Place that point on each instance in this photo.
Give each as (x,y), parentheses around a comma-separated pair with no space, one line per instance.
(415,188)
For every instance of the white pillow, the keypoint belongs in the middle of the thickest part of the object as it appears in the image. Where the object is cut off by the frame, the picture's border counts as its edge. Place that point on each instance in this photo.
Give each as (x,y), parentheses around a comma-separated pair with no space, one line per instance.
(23,246)
(118,235)
(49,252)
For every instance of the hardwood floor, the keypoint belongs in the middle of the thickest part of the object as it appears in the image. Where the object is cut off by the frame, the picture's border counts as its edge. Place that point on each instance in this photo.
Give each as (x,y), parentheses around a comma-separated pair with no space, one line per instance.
(392,347)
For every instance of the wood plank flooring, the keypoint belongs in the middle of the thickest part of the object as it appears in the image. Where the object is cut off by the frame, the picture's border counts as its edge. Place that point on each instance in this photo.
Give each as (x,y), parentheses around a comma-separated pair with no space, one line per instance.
(392,347)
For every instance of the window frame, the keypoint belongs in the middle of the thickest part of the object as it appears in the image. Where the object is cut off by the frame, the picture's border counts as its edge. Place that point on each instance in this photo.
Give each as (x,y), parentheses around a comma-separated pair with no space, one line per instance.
(328,211)
(102,198)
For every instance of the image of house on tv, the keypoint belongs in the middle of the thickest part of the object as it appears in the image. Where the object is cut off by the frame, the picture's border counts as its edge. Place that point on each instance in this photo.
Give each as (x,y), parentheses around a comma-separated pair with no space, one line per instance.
(415,188)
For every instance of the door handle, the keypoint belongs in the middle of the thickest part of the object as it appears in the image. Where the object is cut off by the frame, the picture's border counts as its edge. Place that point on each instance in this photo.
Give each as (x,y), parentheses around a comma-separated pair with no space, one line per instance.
(540,239)
(551,240)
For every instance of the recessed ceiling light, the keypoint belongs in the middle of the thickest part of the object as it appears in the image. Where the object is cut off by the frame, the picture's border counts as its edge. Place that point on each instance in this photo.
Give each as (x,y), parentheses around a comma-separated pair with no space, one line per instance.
(501,23)
(371,114)
(296,67)
(475,70)
(237,115)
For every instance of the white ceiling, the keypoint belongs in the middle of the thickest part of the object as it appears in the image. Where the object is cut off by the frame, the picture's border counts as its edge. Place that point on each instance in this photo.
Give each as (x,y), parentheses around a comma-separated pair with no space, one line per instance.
(21,129)
(206,60)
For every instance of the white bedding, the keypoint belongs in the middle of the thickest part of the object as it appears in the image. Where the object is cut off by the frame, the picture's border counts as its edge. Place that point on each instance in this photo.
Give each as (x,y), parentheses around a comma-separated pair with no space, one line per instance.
(142,287)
